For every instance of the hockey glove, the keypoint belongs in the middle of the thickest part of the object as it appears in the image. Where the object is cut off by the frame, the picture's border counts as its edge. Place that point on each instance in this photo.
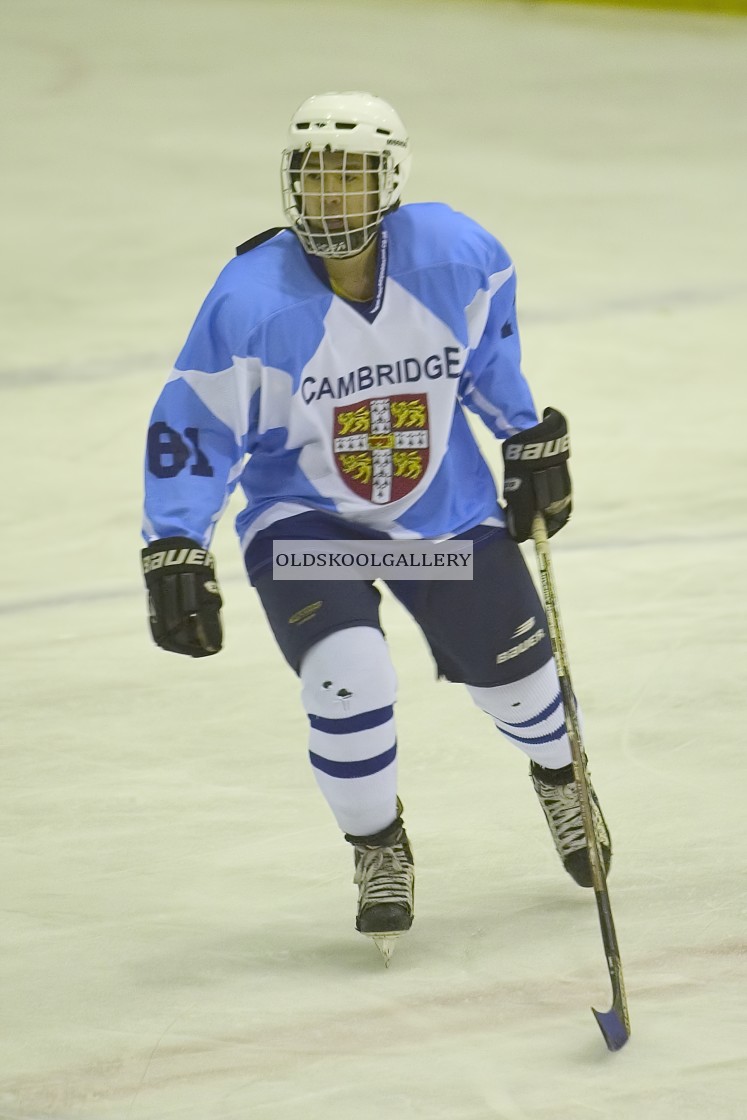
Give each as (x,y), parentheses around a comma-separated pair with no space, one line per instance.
(184,597)
(536,477)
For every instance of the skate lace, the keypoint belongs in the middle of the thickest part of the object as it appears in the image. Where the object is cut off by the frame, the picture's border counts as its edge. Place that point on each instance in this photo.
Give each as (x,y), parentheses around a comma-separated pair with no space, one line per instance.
(563,811)
(383,875)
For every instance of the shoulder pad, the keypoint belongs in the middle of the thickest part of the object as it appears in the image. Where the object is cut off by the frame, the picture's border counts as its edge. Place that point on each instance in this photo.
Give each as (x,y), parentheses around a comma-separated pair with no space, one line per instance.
(259,239)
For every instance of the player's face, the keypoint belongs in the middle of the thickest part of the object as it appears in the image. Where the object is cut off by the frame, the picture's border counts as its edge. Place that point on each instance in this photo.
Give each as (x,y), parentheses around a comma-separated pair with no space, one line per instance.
(340,190)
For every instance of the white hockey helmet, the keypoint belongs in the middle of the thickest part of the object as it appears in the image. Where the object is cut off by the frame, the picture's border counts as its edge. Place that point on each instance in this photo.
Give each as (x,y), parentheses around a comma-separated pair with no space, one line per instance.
(344,125)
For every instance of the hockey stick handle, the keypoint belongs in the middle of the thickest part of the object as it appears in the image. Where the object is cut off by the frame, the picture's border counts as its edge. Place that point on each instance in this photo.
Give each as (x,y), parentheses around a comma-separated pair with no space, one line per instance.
(615,1024)
(557,641)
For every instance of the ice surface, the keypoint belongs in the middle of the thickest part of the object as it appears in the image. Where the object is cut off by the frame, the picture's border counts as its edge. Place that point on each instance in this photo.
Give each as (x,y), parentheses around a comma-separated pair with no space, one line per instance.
(177,909)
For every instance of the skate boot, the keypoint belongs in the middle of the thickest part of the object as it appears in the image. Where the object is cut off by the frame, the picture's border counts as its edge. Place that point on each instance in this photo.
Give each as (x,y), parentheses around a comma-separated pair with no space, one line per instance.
(385,875)
(558,795)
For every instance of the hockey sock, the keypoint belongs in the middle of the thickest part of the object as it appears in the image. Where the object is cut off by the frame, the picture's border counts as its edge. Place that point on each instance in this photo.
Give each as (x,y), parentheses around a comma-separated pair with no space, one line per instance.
(529,712)
(349,688)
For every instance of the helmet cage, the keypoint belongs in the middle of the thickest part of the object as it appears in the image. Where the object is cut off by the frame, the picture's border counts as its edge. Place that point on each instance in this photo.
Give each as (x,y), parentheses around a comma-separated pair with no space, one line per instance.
(335,199)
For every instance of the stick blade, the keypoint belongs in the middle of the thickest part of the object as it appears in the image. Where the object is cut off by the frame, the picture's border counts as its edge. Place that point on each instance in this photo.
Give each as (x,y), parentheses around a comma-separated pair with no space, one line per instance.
(613,1028)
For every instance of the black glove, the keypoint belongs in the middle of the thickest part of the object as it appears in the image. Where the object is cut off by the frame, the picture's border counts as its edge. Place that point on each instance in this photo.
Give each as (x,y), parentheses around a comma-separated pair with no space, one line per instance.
(184,597)
(536,478)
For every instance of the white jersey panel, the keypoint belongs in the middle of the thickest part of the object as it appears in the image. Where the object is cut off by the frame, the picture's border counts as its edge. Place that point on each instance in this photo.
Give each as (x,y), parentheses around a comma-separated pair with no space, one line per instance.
(477,312)
(405,341)
(227,393)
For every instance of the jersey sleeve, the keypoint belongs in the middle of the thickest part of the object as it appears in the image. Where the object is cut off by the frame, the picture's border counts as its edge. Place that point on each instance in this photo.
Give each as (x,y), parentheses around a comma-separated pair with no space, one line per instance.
(198,433)
(493,385)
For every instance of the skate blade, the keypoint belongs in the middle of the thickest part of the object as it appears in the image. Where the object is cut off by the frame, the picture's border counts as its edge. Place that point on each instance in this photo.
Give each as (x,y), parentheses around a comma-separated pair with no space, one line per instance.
(385,943)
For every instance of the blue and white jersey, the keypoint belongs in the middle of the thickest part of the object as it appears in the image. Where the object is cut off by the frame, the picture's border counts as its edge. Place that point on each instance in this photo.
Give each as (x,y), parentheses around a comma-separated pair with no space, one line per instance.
(314,403)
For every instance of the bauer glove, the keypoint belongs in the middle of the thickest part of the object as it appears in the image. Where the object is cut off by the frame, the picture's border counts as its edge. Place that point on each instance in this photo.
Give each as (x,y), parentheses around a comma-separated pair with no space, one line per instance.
(184,598)
(536,478)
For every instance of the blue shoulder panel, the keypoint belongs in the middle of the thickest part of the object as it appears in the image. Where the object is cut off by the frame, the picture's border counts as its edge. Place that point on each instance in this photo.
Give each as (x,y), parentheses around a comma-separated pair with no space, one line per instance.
(443,259)
(266,304)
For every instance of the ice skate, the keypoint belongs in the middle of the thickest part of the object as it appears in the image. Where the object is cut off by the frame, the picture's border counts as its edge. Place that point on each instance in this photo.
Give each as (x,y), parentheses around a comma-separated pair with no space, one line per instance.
(385,876)
(558,795)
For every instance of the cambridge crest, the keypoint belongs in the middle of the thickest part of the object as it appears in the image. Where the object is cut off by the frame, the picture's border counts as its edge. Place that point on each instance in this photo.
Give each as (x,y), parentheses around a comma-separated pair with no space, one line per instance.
(381,446)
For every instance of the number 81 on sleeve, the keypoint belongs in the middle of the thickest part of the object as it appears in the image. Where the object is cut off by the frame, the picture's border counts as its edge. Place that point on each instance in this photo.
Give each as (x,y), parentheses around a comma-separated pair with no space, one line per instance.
(168,453)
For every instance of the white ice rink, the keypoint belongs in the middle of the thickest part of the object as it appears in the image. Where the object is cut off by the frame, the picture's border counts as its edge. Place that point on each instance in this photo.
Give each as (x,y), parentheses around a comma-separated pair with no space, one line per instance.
(177,906)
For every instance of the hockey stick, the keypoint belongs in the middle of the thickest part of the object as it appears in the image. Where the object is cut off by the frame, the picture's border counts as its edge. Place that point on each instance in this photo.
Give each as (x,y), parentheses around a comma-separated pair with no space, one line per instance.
(615,1023)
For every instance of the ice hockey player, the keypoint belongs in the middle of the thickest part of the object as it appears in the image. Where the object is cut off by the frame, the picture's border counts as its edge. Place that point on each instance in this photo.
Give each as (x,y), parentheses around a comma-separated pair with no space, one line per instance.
(386,321)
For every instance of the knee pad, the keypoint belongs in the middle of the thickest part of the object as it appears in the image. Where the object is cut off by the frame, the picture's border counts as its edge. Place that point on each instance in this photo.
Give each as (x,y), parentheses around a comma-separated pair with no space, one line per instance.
(348,673)
(530,714)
